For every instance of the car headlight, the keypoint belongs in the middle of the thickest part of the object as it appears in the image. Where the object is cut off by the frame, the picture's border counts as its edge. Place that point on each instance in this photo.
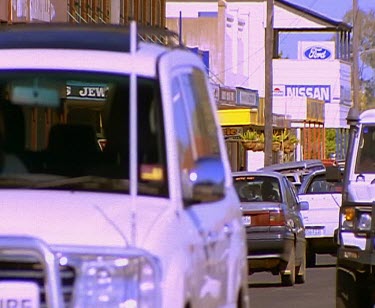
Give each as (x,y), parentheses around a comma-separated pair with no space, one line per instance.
(364,222)
(117,282)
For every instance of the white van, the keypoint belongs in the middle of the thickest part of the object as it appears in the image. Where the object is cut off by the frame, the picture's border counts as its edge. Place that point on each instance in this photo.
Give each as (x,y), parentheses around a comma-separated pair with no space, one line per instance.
(115,187)
(355,270)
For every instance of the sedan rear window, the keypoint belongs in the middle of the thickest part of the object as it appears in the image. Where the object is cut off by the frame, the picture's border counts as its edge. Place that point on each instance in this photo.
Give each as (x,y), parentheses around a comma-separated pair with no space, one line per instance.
(257,188)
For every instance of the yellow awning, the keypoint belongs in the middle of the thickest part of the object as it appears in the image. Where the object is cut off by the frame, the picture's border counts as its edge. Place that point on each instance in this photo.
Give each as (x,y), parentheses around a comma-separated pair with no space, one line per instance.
(235,117)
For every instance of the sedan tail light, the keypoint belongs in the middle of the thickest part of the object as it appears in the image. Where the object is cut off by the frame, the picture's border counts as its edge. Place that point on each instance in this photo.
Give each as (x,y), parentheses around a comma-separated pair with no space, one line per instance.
(277,218)
(264,218)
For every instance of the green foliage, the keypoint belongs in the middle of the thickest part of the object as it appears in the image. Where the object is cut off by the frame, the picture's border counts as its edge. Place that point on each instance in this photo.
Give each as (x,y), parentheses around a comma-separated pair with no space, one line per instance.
(250,135)
(293,139)
(366,34)
(368,100)
(261,137)
(330,141)
(284,135)
(276,137)
(367,59)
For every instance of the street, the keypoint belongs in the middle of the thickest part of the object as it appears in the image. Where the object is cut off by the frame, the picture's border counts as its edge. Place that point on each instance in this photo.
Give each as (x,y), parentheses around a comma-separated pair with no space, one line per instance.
(318,291)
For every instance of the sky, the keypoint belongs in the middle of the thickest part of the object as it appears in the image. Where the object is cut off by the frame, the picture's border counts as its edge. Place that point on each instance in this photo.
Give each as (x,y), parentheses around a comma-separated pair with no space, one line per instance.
(334,9)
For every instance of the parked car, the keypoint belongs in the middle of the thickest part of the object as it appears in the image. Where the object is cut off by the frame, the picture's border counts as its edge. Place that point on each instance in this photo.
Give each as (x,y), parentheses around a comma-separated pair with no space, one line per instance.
(274,226)
(323,191)
(296,171)
(308,164)
(296,177)
(147,218)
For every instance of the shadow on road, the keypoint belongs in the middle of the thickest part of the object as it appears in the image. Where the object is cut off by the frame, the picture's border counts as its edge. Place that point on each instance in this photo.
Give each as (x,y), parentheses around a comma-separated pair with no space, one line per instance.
(322,266)
(256,285)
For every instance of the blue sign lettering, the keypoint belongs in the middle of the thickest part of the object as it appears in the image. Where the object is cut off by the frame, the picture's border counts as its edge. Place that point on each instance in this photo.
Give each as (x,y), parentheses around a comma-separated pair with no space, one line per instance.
(317,53)
(317,92)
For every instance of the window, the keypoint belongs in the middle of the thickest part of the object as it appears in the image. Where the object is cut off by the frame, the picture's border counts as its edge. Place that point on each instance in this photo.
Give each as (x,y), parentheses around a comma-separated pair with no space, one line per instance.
(200,114)
(257,188)
(194,122)
(183,132)
(66,125)
(366,152)
(319,185)
(290,194)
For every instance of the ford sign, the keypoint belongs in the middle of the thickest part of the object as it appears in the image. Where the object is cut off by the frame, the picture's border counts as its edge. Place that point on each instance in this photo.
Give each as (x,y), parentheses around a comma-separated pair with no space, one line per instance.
(317,53)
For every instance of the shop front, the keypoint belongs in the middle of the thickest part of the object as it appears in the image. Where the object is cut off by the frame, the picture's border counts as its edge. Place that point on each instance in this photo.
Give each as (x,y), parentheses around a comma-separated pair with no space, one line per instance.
(238,112)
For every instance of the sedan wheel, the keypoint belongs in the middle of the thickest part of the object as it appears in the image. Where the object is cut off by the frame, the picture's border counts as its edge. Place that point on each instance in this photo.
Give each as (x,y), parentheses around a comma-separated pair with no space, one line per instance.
(301,271)
(288,276)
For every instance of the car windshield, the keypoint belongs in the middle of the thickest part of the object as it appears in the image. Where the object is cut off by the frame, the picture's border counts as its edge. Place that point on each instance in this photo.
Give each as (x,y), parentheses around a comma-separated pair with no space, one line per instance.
(257,188)
(71,130)
(366,152)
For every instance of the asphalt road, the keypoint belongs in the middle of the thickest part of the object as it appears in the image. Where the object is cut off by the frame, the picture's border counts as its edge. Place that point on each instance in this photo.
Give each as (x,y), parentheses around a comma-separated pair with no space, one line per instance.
(318,292)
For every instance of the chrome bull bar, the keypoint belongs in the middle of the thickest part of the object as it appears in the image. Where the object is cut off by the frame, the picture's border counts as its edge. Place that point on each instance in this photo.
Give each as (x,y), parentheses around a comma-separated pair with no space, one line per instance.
(30,246)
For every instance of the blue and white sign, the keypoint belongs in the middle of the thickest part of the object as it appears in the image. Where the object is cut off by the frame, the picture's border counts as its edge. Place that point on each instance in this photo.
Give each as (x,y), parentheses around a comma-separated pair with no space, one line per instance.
(316,50)
(321,92)
(317,53)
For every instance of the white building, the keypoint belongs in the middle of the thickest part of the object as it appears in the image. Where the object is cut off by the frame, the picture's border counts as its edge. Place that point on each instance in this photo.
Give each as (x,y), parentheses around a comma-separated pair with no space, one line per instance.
(233,33)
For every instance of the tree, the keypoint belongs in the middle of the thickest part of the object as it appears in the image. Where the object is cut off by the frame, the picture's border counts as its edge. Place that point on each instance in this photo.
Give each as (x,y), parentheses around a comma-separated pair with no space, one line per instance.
(366,52)
(330,141)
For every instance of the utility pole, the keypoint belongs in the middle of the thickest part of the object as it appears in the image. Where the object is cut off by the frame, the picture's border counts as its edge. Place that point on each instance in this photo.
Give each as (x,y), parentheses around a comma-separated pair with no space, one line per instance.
(268,129)
(355,77)
(10,15)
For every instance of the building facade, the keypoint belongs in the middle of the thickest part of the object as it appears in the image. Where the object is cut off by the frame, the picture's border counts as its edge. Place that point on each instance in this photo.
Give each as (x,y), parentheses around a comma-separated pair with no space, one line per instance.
(233,34)
(147,12)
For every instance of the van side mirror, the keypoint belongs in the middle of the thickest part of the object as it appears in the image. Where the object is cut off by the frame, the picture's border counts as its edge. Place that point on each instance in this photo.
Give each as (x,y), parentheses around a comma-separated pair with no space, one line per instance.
(206,181)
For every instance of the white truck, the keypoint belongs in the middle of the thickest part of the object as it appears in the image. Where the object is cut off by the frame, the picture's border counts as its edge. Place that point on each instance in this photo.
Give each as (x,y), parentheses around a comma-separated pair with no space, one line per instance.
(115,185)
(322,189)
(355,270)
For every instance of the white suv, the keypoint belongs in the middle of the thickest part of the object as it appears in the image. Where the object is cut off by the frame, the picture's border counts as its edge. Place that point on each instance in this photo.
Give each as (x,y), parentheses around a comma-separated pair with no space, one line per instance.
(148,218)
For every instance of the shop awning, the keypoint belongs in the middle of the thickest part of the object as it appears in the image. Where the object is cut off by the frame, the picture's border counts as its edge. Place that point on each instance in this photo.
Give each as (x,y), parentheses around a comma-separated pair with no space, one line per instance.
(235,117)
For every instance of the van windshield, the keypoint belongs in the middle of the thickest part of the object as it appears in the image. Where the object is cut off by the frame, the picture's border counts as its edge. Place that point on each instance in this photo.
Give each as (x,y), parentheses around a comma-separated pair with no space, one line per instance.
(365,162)
(71,130)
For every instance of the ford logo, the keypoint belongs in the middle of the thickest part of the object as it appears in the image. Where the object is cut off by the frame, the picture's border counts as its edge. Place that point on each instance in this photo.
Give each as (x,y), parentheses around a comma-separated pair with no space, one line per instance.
(317,53)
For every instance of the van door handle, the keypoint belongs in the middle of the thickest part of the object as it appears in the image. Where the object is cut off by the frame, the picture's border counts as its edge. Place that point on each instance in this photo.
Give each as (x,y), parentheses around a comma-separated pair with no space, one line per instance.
(228,230)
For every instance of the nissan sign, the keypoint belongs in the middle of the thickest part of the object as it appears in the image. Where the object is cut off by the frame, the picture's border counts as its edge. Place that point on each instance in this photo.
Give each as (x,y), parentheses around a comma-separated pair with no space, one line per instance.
(317,53)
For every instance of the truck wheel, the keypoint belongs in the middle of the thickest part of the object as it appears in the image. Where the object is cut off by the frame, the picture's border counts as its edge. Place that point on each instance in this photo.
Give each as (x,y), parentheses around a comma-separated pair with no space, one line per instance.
(288,278)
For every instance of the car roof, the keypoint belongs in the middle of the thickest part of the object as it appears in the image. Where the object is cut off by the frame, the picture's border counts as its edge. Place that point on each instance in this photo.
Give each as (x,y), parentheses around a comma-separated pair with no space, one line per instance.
(108,37)
(277,175)
(308,177)
(368,116)
(65,36)
(316,172)
(107,47)
(303,164)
